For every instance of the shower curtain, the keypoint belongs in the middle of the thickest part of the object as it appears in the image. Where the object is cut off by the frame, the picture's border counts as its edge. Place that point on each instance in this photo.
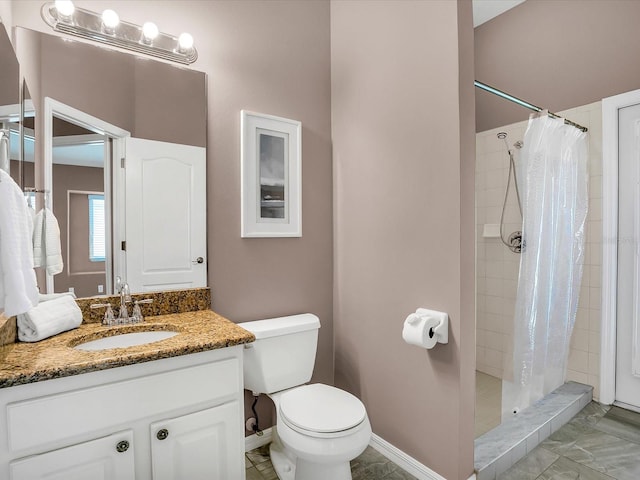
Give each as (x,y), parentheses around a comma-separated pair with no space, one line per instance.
(554,179)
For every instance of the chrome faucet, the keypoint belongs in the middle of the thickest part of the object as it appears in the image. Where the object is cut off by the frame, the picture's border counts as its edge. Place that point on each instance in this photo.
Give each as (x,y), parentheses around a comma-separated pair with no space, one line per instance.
(125,296)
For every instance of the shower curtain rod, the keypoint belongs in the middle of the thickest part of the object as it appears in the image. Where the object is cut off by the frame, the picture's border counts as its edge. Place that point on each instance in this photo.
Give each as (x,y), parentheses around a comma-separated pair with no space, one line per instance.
(530,106)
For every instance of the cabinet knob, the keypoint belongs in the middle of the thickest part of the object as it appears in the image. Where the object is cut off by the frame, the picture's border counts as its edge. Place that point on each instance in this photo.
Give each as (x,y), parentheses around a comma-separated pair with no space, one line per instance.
(198,260)
(162,434)
(122,446)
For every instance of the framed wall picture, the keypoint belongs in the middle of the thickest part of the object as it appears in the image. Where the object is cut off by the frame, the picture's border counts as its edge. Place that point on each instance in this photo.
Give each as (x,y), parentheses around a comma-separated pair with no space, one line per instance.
(271,171)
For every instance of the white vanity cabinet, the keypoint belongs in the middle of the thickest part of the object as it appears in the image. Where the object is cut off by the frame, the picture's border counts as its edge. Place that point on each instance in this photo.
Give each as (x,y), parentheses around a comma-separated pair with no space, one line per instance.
(172,418)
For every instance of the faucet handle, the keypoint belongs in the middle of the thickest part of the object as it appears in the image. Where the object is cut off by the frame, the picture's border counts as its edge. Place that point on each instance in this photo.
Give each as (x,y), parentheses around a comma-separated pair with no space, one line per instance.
(109,318)
(137,311)
(99,305)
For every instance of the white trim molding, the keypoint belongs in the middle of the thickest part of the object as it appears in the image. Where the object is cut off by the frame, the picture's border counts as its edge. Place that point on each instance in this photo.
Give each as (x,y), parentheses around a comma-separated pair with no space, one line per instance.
(610,107)
(404,461)
(113,186)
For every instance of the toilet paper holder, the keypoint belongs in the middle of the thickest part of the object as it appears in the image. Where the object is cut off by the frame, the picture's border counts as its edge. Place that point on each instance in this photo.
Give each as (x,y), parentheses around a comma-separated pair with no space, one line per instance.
(441,331)
(426,328)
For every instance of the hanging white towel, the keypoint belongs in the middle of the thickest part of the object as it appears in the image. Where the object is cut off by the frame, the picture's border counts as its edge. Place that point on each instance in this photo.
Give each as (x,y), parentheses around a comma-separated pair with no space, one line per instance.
(18,290)
(47,251)
(49,318)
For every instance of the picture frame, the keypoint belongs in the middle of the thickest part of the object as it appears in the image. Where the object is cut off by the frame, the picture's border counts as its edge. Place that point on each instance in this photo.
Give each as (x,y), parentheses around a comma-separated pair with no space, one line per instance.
(271,176)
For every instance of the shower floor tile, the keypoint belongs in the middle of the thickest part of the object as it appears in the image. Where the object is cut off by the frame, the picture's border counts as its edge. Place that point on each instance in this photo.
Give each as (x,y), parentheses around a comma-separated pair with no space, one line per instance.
(498,450)
(488,403)
(597,444)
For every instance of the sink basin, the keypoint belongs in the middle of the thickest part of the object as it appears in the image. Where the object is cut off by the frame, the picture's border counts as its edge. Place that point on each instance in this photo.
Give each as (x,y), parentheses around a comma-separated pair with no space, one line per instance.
(125,340)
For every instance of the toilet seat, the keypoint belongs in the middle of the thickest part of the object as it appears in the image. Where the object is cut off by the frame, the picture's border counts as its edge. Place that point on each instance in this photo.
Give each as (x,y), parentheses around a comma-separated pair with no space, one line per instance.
(320,410)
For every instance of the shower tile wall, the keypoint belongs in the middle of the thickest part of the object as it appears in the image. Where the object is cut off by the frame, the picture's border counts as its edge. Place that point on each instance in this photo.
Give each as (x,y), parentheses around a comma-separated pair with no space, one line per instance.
(497,266)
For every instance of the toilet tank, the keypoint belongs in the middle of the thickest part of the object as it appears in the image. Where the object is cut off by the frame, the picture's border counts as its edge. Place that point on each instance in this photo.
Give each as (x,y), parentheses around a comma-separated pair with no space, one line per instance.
(283,354)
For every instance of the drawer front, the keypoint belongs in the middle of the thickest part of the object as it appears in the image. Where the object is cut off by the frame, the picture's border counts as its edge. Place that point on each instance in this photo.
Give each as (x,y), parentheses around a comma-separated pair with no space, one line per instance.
(55,418)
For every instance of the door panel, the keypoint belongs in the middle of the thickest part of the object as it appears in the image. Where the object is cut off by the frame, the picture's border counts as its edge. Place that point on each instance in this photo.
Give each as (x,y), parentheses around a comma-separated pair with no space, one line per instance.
(96,460)
(628,301)
(199,446)
(166,231)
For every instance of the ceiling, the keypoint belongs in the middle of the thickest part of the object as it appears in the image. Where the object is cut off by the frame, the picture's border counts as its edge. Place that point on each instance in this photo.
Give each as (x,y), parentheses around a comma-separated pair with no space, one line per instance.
(485,10)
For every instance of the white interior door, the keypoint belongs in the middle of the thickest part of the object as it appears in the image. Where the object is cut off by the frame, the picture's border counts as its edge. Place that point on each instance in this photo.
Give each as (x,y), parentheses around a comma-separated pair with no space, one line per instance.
(165,218)
(628,301)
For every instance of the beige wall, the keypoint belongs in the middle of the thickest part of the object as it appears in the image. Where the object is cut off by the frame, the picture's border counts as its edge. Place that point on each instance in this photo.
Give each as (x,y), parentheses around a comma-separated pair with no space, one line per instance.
(556,54)
(9,73)
(402,124)
(74,210)
(6,14)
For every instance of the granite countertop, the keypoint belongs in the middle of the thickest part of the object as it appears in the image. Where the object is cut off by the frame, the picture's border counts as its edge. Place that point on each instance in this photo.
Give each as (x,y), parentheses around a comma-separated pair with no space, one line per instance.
(55,357)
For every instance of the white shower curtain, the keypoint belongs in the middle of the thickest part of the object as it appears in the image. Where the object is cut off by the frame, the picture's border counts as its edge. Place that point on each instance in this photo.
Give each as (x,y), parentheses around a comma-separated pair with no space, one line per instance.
(553,176)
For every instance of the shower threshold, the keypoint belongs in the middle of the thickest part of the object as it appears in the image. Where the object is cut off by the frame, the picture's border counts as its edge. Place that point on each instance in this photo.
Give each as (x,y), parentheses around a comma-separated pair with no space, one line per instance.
(499,449)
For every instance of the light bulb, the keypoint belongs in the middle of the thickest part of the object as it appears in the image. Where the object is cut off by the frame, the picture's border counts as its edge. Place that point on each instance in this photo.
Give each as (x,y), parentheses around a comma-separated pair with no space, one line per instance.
(64,7)
(110,20)
(185,42)
(149,32)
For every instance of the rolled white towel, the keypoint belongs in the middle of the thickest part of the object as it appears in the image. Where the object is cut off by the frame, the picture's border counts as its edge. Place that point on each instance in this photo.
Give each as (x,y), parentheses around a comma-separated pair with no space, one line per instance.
(49,318)
(45,297)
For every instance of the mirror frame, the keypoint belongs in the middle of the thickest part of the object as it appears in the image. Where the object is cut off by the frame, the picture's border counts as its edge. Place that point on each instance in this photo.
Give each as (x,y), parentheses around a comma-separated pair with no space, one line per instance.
(113,178)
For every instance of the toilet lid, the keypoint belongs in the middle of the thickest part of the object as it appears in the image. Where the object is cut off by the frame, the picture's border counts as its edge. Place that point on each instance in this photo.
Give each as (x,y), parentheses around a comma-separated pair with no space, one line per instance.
(321,408)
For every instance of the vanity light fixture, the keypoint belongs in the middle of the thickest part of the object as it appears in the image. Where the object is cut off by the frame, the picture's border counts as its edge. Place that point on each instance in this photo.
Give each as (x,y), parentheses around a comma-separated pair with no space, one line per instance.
(65,8)
(107,28)
(149,32)
(185,42)
(110,21)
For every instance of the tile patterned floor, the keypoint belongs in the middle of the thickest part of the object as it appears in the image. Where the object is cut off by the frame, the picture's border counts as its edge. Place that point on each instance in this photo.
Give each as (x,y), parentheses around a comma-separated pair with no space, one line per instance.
(371,465)
(599,443)
(488,403)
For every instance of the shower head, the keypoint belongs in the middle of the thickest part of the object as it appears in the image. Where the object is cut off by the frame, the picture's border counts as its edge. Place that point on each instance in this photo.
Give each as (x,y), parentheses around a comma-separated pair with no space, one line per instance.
(518,144)
(503,136)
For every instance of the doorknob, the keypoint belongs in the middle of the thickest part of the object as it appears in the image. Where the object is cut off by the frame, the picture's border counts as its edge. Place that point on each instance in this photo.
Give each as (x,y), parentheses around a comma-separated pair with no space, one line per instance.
(198,260)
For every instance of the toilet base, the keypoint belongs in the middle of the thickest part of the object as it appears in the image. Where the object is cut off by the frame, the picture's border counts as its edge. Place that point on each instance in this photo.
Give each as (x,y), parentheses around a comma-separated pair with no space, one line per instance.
(322,471)
(290,467)
(284,463)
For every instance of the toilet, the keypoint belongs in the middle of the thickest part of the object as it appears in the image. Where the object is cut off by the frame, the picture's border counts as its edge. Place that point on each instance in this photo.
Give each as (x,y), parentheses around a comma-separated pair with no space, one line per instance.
(319,428)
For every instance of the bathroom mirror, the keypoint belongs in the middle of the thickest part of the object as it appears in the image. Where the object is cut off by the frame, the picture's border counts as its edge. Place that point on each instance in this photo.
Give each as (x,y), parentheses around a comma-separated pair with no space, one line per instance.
(94,100)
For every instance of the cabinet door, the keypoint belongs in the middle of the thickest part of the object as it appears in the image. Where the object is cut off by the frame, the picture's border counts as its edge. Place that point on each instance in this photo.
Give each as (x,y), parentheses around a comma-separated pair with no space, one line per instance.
(108,458)
(199,446)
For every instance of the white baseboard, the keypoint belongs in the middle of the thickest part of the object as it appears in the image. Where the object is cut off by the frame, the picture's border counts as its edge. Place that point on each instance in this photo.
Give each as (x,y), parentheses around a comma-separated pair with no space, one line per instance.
(397,456)
(254,441)
(404,461)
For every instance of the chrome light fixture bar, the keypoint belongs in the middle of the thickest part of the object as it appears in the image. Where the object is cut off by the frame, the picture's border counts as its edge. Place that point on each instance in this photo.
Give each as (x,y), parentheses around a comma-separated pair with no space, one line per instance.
(107,28)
